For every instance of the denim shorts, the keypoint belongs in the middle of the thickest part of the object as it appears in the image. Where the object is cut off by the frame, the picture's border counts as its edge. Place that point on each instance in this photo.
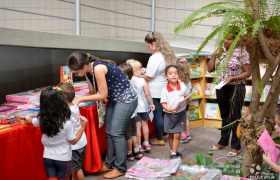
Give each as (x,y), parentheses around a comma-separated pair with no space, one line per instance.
(55,168)
(78,157)
(142,116)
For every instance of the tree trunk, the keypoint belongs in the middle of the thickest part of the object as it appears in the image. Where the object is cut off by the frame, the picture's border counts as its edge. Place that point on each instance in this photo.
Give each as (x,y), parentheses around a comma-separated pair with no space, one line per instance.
(249,162)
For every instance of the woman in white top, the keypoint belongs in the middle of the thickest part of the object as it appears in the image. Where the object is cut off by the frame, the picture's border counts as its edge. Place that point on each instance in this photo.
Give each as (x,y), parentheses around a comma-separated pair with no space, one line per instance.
(58,133)
(162,56)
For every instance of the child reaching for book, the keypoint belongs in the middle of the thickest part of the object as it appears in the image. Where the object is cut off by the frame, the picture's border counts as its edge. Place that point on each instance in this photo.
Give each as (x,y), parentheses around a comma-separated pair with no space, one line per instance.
(58,133)
(79,149)
(145,104)
(266,155)
(130,132)
(174,116)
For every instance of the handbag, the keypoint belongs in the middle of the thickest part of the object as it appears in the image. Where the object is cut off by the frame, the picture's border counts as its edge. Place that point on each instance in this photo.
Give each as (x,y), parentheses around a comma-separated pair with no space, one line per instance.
(100,104)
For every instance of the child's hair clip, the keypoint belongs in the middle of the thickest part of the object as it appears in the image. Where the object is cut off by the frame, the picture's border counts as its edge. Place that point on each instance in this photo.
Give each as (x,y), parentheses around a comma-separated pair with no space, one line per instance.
(57,88)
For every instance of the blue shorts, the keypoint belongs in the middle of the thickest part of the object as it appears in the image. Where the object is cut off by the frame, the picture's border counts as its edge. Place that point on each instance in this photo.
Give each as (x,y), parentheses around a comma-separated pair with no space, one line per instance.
(55,168)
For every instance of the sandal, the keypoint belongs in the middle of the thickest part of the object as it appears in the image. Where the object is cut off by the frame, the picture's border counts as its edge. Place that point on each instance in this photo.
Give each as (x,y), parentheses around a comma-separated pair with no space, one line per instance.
(215,148)
(232,154)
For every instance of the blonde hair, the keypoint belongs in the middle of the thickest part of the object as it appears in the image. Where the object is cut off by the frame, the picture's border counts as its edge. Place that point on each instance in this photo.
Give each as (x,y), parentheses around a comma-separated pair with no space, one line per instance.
(134,64)
(163,46)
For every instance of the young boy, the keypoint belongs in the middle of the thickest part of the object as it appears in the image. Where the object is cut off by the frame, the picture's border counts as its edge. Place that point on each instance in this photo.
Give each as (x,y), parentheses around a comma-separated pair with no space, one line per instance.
(79,149)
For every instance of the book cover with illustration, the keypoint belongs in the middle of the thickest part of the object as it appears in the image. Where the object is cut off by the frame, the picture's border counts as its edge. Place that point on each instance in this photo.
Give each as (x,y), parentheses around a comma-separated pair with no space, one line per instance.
(195,69)
(194,112)
(248,95)
(267,144)
(66,75)
(196,89)
(210,91)
(212,111)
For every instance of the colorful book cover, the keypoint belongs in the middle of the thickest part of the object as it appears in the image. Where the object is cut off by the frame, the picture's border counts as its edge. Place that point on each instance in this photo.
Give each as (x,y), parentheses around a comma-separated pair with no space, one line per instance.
(197,173)
(245,109)
(212,111)
(210,91)
(267,144)
(196,88)
(66,75)
(248,95)
(195,69)
(265,92)
(194,112)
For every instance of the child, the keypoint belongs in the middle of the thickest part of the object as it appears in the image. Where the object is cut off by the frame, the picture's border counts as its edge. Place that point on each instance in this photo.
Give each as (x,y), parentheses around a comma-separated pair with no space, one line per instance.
(174,118)
(58,133)
(130,132)
(143,108)
(266,155)
(79,149)
(184,76)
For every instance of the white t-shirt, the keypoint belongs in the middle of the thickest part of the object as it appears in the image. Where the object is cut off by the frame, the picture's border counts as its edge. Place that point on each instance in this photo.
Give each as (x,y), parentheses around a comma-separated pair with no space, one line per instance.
(155,69)
(58,147)
(77,125)
(172,97)
(138,84)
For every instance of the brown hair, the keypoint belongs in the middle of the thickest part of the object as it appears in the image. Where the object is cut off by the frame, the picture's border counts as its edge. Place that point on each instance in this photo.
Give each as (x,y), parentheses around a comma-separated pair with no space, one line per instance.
(68,91)
(127,70)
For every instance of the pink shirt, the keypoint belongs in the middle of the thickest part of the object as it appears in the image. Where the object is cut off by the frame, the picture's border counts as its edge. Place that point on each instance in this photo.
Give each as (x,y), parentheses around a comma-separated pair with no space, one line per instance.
(234,66)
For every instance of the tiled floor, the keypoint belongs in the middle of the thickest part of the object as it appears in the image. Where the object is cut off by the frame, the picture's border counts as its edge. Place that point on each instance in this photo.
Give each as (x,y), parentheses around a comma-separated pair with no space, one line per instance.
(202,139)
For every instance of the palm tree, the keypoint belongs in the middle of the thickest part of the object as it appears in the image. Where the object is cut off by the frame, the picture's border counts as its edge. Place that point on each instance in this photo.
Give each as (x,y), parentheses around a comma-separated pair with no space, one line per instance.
(259,31)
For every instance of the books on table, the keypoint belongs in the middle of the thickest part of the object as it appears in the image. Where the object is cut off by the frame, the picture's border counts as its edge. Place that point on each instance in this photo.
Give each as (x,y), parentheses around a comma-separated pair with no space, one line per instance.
(268,145)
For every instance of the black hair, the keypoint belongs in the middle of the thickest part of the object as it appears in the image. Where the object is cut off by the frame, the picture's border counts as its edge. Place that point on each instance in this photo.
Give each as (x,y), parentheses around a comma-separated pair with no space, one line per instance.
(77,60)
(54,111)
(171,66)
(67,90)
(127,70)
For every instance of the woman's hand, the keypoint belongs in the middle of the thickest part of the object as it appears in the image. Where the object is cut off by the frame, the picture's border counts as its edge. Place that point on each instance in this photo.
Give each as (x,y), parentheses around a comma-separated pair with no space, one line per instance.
(229,80)
(143,71)
(152,107)
(77,100)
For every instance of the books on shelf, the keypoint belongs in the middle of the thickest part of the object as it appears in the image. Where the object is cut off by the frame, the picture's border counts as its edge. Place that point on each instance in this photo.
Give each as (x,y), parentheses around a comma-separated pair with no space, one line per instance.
(196,89)
(210,91)
(66,75)
(267,144)
(245,109)
(248,94)
(195,69)
(212,111)
(194,112)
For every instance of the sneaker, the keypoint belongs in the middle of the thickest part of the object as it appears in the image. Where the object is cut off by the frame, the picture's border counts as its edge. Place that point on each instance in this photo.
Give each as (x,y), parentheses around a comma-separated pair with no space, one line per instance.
(138,155)
(177,155)
(147,147)
(158,142)
(185,139)
(130,157)
(141,149)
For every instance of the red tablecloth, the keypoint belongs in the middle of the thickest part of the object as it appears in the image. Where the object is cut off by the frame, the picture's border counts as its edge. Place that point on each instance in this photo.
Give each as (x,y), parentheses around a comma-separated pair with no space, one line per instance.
(21,150)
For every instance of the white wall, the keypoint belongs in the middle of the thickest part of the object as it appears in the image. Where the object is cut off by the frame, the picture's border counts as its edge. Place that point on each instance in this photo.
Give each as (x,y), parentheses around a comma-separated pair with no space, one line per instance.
(57,16)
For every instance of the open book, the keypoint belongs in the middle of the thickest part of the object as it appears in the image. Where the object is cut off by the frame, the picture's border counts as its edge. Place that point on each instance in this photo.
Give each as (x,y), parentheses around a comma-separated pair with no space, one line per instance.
(267,144)
(182,103)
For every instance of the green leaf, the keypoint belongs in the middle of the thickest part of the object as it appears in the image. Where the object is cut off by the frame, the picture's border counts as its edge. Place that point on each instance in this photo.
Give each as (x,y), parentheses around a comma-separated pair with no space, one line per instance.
(199,158)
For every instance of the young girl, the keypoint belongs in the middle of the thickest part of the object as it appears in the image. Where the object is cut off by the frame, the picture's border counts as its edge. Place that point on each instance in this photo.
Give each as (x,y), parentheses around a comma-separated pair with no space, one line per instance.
(174,116)
(142,109)
(79,149)
(58,133)
(266,155)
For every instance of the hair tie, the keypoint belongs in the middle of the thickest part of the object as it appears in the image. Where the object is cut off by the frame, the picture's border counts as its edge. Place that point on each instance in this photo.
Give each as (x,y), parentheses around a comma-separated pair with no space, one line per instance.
(57,88)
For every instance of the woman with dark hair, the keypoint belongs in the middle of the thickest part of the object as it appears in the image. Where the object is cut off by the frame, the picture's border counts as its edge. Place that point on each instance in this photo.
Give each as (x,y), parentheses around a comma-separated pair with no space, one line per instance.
(230,97)
(111,83)
(58,133)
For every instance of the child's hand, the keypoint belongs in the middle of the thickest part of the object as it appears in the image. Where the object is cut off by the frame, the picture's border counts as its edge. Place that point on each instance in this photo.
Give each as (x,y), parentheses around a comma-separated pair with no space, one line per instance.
(172,110)
(83,121)
(76,101)
(189,100)
(266,157)
(152,107)
(278,146)
(28,119)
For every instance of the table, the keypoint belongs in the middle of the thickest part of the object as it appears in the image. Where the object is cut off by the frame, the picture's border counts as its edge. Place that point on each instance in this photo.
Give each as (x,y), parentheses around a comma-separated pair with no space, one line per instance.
(21,150)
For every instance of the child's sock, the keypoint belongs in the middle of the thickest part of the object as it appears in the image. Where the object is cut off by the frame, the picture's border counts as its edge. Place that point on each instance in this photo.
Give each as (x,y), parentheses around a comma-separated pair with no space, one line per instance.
(173,153)
(146,142)
(129,152)
(136,149)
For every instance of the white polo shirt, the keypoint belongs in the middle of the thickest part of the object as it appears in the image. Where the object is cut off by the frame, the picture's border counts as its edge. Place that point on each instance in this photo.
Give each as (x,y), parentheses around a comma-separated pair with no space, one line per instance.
(156,70)
(171,97)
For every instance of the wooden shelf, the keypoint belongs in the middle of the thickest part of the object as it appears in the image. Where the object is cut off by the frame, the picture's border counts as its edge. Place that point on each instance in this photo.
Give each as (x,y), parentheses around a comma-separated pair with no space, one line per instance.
(213,123)
(196,123)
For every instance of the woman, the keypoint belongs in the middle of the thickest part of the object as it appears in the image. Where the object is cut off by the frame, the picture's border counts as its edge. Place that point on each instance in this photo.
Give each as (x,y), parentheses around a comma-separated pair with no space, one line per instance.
(230,97)
(110,83)
(162,56)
